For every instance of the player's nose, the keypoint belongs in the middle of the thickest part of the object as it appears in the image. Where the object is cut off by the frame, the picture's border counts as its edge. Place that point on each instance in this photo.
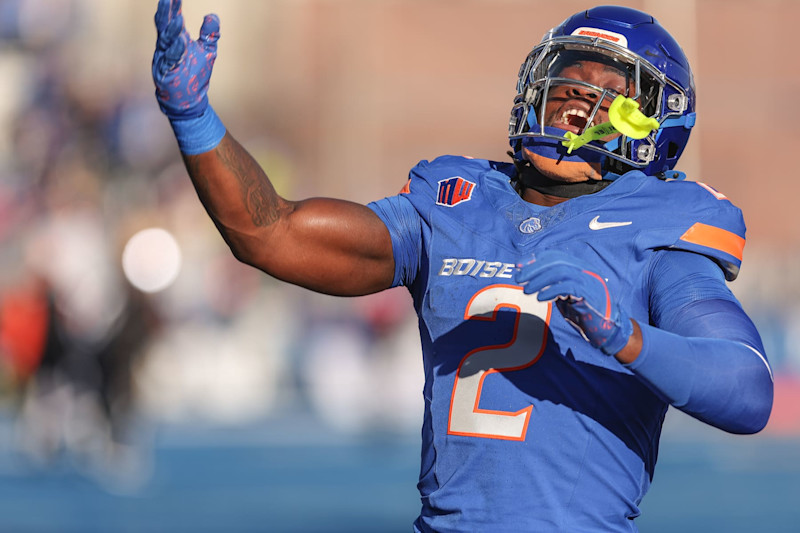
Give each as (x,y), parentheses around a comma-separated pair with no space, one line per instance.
(580,91)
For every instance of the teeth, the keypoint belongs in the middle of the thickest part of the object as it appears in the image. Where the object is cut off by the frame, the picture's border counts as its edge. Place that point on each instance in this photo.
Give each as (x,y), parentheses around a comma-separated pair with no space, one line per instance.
(577,112)
(574,112)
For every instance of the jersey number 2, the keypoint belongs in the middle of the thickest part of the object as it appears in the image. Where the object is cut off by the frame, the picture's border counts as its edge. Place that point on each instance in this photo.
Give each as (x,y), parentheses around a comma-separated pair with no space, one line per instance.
(524,349)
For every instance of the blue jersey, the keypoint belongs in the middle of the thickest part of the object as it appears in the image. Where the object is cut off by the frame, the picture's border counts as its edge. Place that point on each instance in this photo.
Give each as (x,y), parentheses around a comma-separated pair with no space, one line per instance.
(528,427)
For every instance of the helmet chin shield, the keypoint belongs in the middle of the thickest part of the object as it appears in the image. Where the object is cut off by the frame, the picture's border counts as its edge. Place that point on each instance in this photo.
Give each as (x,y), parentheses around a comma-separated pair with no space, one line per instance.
(555,94)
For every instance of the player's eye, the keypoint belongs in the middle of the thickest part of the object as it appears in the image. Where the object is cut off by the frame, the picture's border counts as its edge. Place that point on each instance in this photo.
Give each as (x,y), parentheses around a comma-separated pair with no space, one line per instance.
(618,89)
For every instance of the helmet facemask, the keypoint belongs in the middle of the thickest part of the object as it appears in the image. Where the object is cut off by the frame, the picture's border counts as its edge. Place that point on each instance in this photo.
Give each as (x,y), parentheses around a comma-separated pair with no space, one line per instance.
(552,98)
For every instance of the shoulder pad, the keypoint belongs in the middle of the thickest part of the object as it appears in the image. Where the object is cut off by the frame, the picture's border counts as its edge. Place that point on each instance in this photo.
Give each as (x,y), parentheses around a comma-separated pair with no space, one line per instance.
(713,226)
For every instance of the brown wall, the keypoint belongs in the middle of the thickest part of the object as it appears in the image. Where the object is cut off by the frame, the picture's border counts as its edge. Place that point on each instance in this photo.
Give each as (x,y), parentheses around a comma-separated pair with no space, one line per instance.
(356,91)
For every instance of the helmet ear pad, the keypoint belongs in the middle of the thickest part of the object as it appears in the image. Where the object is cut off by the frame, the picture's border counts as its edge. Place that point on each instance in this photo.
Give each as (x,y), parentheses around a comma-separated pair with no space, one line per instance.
(564,170)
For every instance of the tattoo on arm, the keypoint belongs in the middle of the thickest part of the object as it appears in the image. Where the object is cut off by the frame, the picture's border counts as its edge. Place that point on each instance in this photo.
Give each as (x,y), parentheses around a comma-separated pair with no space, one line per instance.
(257,193)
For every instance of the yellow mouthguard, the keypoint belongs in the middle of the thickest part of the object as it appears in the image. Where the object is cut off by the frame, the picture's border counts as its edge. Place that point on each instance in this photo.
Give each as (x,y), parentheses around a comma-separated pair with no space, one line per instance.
(624,117)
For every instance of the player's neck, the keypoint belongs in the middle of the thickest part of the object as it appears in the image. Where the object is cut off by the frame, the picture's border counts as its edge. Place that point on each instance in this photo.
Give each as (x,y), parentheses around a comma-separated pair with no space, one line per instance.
(540,190)
(535,197)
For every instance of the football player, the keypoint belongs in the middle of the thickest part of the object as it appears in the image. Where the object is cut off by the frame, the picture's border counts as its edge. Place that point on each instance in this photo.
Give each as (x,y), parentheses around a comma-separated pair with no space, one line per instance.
(565,298)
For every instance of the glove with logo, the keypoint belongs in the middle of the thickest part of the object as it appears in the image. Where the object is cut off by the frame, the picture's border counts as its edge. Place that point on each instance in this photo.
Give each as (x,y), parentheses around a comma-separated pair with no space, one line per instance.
(581,296)
(181,72)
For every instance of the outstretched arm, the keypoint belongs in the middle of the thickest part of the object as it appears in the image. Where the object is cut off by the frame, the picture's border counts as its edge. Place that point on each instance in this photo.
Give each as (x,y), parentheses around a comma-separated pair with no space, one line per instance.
(330,246)
(327,245)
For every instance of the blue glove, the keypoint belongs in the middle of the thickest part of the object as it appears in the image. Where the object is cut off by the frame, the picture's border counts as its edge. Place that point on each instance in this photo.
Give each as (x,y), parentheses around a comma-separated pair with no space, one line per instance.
(581,296)
(181,72)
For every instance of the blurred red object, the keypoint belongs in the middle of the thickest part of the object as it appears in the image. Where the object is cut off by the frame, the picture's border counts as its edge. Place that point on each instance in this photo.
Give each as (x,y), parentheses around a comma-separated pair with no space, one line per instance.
(785,418)
(24,325)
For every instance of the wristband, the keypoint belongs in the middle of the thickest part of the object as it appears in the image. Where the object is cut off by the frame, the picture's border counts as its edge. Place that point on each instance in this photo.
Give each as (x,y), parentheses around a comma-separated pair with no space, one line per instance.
(199,134)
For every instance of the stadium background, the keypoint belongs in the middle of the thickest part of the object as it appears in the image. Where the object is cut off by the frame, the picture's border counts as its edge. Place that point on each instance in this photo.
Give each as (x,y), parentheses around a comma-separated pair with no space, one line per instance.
(211,398)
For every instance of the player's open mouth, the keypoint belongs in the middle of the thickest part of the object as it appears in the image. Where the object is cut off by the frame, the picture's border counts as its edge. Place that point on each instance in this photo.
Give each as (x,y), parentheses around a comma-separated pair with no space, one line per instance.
(574,119)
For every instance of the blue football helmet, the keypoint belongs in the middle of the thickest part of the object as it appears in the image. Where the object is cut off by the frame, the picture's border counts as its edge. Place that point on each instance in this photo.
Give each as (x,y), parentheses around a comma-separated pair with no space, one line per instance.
(658,77)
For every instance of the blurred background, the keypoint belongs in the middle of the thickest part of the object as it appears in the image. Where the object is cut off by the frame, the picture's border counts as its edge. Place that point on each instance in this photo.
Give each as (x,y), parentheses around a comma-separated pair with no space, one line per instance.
(149,382)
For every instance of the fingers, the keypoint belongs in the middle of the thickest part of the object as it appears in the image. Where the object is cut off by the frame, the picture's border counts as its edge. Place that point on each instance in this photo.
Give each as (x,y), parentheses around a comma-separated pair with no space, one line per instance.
(167,11)
(209,33)
(174,53)
(168,24)
(561,289)
(172,31)
(554,283)
(543,261)
(542,273)
(162,15)
(552,274)
(172,37)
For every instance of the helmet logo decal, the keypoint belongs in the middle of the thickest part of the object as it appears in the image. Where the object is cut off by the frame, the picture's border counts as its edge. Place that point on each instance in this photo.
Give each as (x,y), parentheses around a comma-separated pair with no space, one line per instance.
(453,191)
(616,38)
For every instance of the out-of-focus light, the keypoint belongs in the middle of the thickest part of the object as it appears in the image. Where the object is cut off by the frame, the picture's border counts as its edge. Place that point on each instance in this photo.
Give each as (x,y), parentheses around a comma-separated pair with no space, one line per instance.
(151,260)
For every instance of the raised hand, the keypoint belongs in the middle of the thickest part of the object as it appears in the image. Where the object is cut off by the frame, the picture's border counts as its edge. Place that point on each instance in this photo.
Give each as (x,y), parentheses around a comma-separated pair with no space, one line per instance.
(182,67)
(581,296)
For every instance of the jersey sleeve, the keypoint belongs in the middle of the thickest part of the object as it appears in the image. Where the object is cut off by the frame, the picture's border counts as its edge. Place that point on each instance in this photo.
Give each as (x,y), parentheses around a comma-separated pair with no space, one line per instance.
(404,224)
(682,285)
(715,226)
(408,214)
(703,354)
(406,217)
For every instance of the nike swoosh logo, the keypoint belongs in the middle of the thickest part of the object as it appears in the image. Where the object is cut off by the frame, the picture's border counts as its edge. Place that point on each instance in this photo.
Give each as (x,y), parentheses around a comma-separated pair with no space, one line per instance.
(595,224)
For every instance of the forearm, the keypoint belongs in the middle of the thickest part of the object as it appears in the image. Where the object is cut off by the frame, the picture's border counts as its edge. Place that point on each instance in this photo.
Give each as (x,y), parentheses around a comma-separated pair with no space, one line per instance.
(722,382)
(237,195)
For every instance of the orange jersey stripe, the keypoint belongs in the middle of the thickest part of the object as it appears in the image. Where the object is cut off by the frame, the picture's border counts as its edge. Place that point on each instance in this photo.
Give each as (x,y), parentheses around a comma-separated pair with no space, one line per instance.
(716,238)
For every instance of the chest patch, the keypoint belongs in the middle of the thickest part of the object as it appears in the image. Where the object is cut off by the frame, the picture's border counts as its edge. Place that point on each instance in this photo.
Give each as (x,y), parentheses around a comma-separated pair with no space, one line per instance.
(453,191)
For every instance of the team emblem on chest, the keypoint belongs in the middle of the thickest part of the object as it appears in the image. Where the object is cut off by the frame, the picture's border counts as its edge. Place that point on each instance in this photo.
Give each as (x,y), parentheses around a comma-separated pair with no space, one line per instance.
(530,225)
(453,191)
